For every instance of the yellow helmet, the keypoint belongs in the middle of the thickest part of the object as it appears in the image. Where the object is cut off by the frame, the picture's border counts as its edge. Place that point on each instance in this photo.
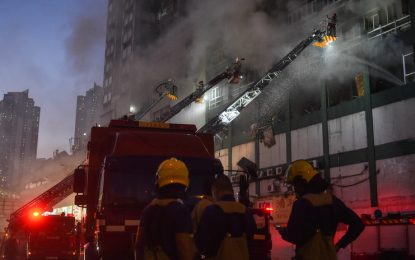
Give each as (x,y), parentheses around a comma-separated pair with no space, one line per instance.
(300,168)
(172,171)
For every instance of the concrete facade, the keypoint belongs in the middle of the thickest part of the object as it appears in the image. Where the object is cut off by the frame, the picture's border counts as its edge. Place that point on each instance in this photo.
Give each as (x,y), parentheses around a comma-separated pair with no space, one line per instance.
(350,182)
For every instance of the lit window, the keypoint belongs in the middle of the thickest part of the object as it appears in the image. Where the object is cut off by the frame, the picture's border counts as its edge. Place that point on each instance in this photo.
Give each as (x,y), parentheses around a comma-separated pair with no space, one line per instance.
(215,97)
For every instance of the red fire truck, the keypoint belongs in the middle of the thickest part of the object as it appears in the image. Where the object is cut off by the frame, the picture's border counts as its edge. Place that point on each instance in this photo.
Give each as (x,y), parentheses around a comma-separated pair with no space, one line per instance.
(51,237)
(117,180)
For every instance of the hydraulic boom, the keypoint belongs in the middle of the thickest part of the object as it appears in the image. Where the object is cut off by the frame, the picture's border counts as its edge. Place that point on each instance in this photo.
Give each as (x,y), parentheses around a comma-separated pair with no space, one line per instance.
(232,74)
(46,200)
(232,111)
(170,91)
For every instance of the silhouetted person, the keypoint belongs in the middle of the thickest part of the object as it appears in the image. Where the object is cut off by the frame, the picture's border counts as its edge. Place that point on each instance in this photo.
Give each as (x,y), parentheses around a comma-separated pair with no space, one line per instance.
(223,230)
(165,230)
(11,249)
(315,216)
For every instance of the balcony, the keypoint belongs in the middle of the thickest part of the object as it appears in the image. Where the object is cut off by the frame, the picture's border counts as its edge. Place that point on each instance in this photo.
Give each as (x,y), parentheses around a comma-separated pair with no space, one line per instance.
(398,24)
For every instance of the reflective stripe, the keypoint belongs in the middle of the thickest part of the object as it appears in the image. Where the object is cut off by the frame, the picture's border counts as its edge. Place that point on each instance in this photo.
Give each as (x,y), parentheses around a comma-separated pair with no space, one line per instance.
(259,237)
(101,222)
(115,228)
(132,222)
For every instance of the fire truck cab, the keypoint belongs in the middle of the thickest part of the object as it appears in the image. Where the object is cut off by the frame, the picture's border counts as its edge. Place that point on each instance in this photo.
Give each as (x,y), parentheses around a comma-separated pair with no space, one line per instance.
(51,237)
(117,181)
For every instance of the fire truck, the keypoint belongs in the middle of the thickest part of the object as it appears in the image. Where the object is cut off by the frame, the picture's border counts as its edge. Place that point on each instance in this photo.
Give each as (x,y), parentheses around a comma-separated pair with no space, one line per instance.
(51,237)
(117,180)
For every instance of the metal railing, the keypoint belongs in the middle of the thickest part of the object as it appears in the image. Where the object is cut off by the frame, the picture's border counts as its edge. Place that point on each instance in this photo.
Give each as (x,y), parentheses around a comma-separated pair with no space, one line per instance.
(390,27)
(405,73)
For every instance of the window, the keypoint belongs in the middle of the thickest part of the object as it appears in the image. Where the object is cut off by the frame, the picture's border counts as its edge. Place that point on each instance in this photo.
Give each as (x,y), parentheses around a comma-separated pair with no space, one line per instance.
(391,13)
(110,48)
(126,51)
(110,7)
(127,35)
(108,66)
(372,22)
(128,18)
(159,114)
(405,7)
(215,97)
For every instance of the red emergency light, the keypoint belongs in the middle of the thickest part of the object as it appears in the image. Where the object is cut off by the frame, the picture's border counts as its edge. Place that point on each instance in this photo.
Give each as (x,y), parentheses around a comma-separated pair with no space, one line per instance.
(35,215)
(269,210)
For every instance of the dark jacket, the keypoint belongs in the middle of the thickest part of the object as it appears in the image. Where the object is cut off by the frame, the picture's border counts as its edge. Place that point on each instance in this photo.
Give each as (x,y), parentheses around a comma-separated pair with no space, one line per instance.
(305,219)
(160,223)
(11,249)
(215,223)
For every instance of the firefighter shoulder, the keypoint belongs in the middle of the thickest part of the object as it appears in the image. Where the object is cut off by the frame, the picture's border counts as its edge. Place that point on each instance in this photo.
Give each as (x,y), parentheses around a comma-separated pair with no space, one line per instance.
(206,199)
(165,225)
(222,231)
(316,214)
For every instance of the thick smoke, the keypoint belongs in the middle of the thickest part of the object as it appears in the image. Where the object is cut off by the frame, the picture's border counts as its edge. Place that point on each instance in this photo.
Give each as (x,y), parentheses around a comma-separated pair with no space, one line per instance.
(45,173)
(241,28)
(232,28)
(85,41)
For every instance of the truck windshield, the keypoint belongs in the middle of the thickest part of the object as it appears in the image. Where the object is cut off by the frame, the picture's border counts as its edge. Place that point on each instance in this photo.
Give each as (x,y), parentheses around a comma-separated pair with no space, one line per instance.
(130,180)
(128,188)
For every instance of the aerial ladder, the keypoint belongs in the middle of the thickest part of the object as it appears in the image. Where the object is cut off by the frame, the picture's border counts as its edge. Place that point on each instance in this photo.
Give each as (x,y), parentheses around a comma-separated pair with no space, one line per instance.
(319,38)
(231,73)
(164,89)
(43,202)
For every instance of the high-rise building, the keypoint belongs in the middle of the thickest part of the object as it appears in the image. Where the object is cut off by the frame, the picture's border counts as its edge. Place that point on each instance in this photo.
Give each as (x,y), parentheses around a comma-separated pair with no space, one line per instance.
(19,129)
(88,109)
(132,25)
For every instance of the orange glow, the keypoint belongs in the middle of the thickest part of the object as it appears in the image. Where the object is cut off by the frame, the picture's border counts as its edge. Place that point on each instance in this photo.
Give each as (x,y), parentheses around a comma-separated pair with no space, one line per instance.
(171,96)
(325,41)
(199,100)
(36,214)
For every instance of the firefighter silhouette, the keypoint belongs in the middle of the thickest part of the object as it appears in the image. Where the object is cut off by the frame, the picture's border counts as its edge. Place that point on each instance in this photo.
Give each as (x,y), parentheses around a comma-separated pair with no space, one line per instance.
(331,25)
(11,249)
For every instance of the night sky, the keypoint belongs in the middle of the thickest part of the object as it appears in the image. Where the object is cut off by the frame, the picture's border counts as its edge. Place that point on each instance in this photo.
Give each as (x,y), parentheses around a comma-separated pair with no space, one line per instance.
(54,48)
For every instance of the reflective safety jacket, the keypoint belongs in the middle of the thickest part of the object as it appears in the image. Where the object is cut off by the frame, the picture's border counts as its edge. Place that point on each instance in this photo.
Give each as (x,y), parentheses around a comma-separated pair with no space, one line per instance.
(223,230)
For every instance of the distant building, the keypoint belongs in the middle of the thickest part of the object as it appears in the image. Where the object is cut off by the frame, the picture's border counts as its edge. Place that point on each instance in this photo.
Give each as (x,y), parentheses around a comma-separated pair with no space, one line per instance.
(88,108)
(19,129)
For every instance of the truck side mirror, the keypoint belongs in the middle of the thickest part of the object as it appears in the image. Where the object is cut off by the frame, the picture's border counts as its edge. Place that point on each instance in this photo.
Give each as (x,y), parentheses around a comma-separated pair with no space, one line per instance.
(79,180)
